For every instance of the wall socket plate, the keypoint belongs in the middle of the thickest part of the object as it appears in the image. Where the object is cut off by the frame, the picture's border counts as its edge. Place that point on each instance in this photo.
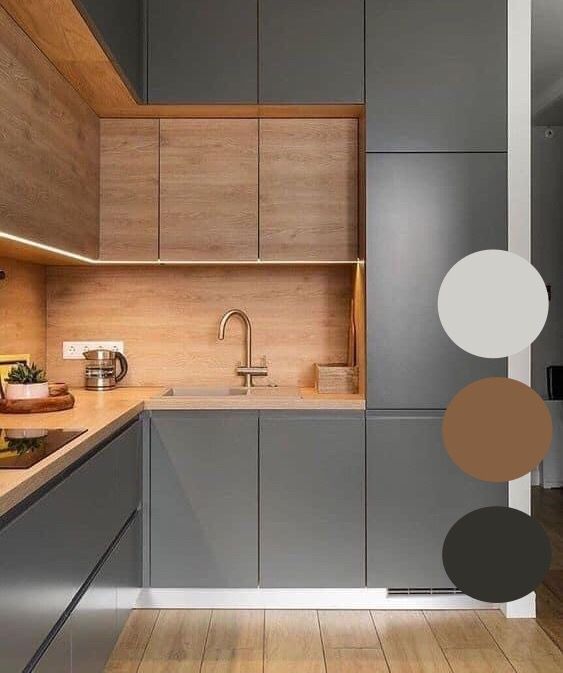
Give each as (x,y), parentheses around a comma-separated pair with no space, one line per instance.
(74,350)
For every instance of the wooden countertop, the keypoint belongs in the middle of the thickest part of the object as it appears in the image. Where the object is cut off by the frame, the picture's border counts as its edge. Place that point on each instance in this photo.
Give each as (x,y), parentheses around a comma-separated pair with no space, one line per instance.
(105,413)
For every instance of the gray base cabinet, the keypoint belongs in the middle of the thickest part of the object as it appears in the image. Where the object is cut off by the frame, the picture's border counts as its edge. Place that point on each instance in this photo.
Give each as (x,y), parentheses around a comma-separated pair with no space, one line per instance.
(436,75)
(415,494)
(100,615)
(48,552)
(57,658)
(311,51)
(425,212)
(312,508)
(204,499)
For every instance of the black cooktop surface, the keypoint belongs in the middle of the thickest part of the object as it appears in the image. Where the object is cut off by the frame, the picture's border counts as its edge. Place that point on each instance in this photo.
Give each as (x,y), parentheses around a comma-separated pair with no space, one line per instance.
(21,448)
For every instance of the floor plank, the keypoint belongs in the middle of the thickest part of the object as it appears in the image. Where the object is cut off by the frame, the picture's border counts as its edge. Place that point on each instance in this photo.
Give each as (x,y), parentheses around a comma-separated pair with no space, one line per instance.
(355,660)
(236,629)
(132,643)
(293,642)
(478,660)
(459,629)
(177,642)
(408,643)
(344,629)
(528,648)
(235,642)
(233,661)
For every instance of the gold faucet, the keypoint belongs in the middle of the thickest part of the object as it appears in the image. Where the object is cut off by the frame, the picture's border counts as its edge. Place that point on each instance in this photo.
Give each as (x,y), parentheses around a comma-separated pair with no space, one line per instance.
(248,371)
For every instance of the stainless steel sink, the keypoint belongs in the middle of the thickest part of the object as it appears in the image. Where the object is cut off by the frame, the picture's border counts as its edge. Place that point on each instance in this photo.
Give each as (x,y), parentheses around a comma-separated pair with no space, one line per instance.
(205,392)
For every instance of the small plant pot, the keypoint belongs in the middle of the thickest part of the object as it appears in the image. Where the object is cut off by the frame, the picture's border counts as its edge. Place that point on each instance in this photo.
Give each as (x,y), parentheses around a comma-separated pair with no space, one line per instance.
(26,391)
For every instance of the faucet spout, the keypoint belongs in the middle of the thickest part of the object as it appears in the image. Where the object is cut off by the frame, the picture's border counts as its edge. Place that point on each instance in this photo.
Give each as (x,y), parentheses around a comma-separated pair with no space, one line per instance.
(248,340)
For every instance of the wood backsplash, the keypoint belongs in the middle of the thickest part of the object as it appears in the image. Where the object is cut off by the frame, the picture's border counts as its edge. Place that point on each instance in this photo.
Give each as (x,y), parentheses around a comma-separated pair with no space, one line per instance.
(22,309)
(168,318)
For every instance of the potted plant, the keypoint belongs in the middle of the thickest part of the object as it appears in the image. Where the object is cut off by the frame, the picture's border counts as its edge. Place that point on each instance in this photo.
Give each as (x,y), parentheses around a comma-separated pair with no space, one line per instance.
(26,382)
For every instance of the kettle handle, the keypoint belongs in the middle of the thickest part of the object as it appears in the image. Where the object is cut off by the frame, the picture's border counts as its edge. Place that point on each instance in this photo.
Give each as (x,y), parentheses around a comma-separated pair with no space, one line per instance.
(123,365)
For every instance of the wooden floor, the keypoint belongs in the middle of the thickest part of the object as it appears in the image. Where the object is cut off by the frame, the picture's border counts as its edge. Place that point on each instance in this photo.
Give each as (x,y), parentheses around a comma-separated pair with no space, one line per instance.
(547,506)
(285,641)
(288,641)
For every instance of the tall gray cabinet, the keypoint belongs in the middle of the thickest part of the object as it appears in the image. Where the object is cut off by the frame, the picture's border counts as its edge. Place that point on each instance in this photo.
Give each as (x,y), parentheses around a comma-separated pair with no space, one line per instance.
(436,114)
(436,75)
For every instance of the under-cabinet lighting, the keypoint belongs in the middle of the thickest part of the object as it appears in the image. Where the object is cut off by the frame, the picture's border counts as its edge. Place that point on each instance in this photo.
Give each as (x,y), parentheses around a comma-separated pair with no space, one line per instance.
(168,262)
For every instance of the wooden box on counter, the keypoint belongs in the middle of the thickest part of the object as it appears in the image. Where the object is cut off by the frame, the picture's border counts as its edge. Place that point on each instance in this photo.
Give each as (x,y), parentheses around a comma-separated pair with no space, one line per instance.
(336,379)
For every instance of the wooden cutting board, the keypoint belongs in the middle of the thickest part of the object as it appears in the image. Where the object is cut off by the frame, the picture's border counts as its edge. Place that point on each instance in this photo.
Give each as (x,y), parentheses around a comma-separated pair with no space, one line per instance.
(40,406)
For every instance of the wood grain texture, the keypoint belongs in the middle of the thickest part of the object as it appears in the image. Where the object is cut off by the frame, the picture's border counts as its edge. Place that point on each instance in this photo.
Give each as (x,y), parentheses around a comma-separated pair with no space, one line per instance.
(293,642)
(408,643)
(58,29)
(355,661)
(309,189)
(458,629)
(344,629)
(168,318)
(23,310)
(50,147)
(177,642)
(528,648)
(132,643)
(478,660)
(235,642)
(209,189)
(129,189)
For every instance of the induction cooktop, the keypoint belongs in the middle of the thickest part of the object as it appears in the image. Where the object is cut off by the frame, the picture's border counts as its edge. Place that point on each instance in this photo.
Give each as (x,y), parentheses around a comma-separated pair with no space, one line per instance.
(22,448)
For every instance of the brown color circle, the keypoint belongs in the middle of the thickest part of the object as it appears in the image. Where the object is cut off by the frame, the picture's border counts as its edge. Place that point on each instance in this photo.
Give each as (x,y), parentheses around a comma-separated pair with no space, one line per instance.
(497,429)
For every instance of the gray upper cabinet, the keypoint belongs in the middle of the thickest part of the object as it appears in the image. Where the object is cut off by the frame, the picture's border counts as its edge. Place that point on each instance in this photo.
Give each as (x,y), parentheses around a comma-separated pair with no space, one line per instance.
(436,75)
(415,494)
(425,212)
(312,505)
(204,499)
(120,26)
(202,51)
(311,51)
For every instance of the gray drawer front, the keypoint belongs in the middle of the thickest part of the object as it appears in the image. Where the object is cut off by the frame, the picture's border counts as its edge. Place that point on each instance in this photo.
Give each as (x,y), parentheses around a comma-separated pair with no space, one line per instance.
(312,513)
(204,499)
(415,493)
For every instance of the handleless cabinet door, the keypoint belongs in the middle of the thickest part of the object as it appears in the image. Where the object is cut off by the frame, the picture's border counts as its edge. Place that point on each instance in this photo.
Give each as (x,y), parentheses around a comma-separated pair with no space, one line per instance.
(425,212)
(129,151)
(204,499)
(415,494)
(309,189)
(203,51)
(311,51)
(209,189)
(312,507)
(436,75)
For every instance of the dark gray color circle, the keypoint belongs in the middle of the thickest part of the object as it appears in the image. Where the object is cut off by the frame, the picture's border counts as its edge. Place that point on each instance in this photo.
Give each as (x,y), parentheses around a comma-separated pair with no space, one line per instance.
(496,554)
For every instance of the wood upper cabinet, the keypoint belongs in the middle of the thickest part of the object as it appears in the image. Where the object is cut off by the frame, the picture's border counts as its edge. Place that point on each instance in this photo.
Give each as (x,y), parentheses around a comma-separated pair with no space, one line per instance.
(311,51)
(49,171)
(203,51)
(308,189)
(208,189)
(129,188)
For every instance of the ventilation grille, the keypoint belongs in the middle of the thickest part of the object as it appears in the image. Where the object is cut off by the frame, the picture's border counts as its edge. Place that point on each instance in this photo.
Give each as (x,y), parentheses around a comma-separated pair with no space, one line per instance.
(424,591)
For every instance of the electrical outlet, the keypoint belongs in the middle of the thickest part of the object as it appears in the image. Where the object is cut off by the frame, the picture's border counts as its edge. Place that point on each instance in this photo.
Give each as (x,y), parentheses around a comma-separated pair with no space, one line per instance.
(74,350)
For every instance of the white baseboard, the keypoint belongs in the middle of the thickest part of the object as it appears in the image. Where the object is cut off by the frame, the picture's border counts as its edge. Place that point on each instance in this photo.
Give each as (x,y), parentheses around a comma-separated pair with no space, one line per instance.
(524,608)
(301,599)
